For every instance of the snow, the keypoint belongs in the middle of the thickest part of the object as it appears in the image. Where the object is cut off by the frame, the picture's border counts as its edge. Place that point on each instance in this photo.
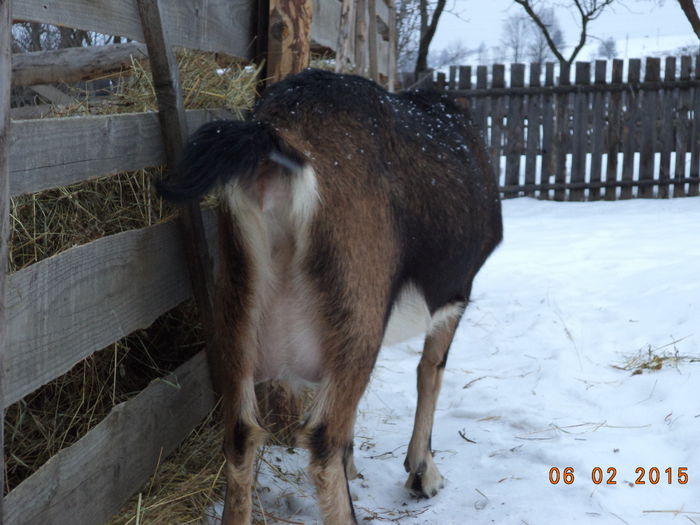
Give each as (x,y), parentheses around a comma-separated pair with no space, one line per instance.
(535,380)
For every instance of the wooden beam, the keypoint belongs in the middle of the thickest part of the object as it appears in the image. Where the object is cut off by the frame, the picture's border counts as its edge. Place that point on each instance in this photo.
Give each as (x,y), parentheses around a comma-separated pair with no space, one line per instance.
(52,94)
(372,39)
(60,151)
(88,482)
(62,309)
(209,25)
(361,37)
(173,123)
(344,56)
(5,82)
(289,38)
(74,64)
(392,51)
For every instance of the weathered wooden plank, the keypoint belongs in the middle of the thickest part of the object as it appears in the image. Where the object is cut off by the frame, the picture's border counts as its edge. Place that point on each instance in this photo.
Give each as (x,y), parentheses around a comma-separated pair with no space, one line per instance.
(514,129)
(693,187)
(73,64)
(465,77)
(325,23)
(209,25)
(64,308)
(56,152)
(288,38)
(173,125)
(5,82)
(86,483)
(345,54)
(361,37)
(580,123)
(497,115)
(599,128)
(548,135)
(372,39)
(650,101)
(562,133)
(534,114)
(668,103)
(391,46)
(614,132)
(630,127)
(683,127)
(482,109)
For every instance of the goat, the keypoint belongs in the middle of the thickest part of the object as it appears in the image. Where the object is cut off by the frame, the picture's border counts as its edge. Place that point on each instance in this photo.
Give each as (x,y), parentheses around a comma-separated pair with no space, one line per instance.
(336,198)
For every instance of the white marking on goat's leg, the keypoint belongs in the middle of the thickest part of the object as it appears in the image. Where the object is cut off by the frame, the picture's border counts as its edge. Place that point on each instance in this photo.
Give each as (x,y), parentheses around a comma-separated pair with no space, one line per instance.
(349,459)
(424,478)
(241,440)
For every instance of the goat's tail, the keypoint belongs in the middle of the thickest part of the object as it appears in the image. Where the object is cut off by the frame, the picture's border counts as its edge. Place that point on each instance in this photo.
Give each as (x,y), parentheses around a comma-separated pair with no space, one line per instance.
(221,151)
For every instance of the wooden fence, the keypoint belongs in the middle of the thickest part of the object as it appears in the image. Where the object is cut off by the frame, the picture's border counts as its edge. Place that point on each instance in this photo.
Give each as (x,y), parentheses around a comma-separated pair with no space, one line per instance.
(612,133)
(63,309)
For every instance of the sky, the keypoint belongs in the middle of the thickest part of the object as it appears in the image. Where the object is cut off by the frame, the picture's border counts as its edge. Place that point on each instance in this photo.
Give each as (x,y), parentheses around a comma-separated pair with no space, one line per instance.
(638,26)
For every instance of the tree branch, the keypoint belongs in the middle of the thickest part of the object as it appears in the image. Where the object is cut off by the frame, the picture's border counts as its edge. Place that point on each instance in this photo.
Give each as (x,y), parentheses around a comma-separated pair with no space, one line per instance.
(543,27)
(691,14)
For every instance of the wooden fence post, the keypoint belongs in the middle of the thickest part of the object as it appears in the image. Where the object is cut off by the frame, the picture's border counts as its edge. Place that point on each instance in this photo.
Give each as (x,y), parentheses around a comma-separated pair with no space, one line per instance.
(166,80)
(289,38)
(580,137)
(372,39)
(629,126)
(667,128)
(614,130)
(650,101)
(694,187)
(360,37)
(392,46)
(346,36)
(599,129)
(534,109)
(514,129)
(548,130)
(5,72)
(561,142)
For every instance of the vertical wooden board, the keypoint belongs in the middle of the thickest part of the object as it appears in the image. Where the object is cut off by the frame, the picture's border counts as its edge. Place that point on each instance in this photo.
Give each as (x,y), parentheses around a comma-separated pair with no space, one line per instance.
(563,132)
(614,124)
(630,126)
(453,78)
(345,48)
(534,117)
(497,103)
(360,37)
(173,122)
(392,46)
(86,483)
(580,137)
(668,103)
(482,108)
(441,82)
(465,78)
(650,101)
(289,38)
(5,82)
(682,129)
(372,39)
(599,128)
(694,187)
(514,129)
(548,130)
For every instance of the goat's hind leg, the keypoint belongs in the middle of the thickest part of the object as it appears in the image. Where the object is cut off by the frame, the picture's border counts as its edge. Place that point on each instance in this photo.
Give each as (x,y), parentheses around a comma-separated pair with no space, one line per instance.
(424,479)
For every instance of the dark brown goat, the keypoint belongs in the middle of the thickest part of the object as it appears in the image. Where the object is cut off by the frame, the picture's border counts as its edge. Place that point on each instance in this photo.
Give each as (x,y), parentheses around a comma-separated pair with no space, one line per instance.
(336,198)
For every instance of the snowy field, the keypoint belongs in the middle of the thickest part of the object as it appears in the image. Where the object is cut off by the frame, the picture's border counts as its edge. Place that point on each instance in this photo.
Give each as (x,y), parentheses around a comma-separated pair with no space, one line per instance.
(552,366)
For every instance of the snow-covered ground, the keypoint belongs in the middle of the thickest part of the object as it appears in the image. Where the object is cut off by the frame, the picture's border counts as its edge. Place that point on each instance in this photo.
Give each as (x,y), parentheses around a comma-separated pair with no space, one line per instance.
(545,372)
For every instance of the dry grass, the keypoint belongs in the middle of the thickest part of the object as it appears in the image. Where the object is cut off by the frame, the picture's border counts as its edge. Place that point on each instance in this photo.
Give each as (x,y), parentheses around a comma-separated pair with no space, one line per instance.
(651,359)
(49,222)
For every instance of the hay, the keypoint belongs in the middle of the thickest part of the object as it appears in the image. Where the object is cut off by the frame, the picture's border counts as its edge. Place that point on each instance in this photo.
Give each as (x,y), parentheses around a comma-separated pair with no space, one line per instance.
(49,222)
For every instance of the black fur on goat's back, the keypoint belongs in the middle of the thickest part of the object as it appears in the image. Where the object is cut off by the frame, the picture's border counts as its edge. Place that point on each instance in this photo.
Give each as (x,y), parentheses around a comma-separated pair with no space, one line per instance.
(221,151)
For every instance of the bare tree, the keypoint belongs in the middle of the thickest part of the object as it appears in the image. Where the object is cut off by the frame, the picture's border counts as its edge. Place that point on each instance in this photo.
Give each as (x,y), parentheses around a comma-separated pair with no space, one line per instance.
(587,11)
(607,48)
(538,49)
(514,37)
(429,19)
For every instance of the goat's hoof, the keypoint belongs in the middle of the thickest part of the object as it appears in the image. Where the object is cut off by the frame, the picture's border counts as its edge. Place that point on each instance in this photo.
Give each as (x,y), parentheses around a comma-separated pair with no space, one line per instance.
(426,481)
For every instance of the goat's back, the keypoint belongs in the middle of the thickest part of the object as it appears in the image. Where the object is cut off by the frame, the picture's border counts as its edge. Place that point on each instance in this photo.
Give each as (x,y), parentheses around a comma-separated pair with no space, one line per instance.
(401,177)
